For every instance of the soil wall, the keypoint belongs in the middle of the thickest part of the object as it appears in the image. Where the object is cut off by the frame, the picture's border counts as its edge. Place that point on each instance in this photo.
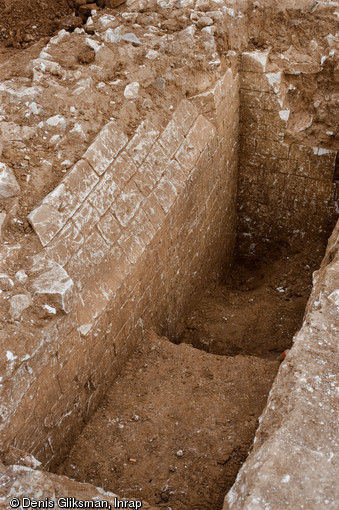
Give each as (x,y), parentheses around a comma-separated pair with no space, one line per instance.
(287,185)
(129,237)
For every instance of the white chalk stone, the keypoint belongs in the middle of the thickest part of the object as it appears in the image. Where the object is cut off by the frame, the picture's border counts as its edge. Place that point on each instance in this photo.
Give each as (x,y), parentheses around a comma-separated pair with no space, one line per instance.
(18,304)
(8,183)
(132,90)
(21,276)
(284,114)
(57,121)
(57,285)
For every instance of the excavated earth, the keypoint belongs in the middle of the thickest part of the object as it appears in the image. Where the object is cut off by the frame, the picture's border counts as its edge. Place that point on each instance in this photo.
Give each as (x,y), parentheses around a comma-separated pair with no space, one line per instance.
(178,423)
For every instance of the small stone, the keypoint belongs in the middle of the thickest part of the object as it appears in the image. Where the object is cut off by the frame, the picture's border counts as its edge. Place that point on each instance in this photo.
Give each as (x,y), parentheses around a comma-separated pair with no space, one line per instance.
(132,90)
(21,276)
(8,183)
(111,36)
(205,21)
(131,38)
(159,84)
(50,309)
(70,22)
(57,121)
(180,453)
(152,54)
(6,283)
(18,304)
(3,216)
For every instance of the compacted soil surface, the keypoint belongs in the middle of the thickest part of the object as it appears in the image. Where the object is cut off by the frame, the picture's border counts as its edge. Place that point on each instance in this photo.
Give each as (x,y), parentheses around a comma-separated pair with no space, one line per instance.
(178,423)
(175,427)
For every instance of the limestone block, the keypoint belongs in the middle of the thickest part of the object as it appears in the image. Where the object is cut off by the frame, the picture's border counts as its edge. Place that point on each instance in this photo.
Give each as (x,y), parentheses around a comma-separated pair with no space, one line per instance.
(109,228)
(105,147)
(132,90)
(127,203)
(91,253)
(104,193)
(145,179)
(165,193)
(142,142)
(157,160)
(57,287)
(171,138)
(65,244)
(153,210)
(254,61)
(8,183)
(185,115)
(86,218)
(142,228)
(122,169)
(77,184)
(199,136)
(46,222)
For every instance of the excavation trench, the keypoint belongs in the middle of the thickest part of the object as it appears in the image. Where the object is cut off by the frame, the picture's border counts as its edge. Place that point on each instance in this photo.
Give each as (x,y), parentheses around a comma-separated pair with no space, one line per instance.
(178,423)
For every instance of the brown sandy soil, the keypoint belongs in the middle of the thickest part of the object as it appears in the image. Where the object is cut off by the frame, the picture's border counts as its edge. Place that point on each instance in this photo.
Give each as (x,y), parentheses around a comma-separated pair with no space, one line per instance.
(186,417)
(24,21)
(260,307)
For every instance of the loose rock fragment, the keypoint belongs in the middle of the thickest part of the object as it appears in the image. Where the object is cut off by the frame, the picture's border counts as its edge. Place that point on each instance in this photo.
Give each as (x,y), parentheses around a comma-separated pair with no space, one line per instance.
(56,285)
(131,38)
(205,21)
(2,223)
(6,283)
(8,183)
(159,84)
(18,304)
(132,90)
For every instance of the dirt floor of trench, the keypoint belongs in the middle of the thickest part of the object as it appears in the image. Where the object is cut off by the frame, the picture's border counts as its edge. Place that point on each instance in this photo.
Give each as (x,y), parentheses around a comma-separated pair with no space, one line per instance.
(178,423)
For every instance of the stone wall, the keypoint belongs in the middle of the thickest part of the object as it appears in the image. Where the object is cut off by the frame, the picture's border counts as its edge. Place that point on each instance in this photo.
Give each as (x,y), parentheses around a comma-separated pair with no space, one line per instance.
(129,237)
(286,188)
(292,463)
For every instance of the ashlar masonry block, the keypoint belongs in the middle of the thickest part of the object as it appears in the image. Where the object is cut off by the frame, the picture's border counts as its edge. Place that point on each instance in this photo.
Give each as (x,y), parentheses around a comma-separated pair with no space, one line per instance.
(57,286)
(185,115)
(200,134)
(65,244)
(104,193)
(157,160)
(86,218)
(172,136)
(109,228)
(142,142)
(46,222)
(109,142)
(81,265)
(165,193)
(122,169)
(77,186)
(127,203)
